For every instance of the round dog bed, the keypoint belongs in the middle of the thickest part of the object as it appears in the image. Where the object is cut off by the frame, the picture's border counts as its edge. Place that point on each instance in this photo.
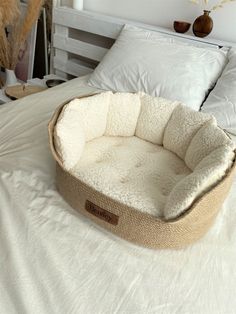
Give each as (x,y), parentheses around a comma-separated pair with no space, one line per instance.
(148,169)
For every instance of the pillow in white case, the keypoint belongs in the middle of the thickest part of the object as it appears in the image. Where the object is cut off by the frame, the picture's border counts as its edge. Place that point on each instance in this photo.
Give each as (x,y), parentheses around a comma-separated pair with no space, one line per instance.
(221,102)
(143,60)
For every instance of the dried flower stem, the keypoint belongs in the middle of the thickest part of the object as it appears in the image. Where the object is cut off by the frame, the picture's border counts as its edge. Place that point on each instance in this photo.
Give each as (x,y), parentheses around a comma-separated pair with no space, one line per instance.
(19,28)
(204,4)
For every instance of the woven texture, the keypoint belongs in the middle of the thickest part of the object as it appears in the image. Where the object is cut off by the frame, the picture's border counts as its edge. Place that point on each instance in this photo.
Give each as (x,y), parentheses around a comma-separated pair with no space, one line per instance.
(137,227)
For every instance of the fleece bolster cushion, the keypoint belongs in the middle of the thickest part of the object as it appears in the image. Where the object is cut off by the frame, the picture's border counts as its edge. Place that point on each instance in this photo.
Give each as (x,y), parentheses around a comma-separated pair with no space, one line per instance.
(208,173)
(81,120)
(182,126)
(207,139)
(123,114)
(69,137)
(92,112)
(154,115)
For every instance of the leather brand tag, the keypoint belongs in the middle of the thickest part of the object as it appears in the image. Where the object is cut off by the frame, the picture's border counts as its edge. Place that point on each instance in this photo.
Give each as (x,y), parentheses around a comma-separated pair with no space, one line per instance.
(101,213)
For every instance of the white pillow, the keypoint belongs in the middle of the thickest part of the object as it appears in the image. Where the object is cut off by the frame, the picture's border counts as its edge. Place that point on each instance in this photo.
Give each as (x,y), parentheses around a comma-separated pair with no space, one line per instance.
(222,100)
(143,60)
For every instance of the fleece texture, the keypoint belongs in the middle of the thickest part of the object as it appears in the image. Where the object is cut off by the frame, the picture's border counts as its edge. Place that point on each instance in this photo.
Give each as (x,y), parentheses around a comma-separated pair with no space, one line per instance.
(152,154)
(182,126)
(207,139)
(154,115)
(207,174)
(69,138)
(91,113)
(123,114)
(132,171)
(81,120)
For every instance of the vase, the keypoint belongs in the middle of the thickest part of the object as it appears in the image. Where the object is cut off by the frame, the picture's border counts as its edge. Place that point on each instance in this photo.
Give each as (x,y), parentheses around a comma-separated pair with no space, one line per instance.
(78,4)
(203,25)
(10,78)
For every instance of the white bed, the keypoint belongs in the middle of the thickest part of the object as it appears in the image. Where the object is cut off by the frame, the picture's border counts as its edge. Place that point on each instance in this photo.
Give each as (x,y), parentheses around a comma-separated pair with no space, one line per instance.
(53,260)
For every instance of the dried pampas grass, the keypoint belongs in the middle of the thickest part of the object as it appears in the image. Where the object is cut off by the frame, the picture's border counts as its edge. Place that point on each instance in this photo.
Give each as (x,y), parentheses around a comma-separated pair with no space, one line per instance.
(32,14)
(10,11)
(19,28)
(204,4)
(4,45)
(220,4)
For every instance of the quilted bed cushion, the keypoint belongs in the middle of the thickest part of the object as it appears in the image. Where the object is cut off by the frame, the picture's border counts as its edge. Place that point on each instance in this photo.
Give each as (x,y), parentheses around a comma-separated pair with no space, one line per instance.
(149,153)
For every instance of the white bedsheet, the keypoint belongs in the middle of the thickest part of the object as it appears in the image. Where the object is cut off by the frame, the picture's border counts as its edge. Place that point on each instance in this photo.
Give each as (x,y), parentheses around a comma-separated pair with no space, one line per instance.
(52,260)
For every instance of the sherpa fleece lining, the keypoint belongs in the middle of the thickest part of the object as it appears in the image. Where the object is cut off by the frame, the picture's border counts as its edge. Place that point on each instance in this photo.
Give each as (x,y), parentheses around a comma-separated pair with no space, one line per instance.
(149,153)
(130,169)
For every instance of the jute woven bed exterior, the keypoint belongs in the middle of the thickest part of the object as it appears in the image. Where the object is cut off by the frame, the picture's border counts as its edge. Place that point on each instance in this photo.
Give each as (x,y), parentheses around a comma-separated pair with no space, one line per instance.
(133,225)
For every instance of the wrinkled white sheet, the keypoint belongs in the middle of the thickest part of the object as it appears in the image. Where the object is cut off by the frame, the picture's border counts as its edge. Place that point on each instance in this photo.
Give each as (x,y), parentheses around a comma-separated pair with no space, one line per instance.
(52,260)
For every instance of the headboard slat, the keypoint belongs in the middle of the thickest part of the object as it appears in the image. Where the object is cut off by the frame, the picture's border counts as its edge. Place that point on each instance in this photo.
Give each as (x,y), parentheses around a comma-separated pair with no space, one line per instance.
(79,47)
(72,67)
(86,22)
(88,34)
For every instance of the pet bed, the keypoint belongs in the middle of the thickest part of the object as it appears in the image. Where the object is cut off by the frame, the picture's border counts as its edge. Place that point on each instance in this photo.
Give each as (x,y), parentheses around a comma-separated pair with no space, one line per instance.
(147,169)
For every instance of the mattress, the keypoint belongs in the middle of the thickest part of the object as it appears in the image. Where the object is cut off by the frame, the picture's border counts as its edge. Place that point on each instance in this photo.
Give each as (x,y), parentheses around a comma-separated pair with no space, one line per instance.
(53,260)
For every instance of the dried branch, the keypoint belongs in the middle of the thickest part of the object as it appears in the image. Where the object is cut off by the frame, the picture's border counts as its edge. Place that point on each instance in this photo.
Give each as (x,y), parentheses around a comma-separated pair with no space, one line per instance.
(220,4)
(19,27)
(10,11)
(204,4)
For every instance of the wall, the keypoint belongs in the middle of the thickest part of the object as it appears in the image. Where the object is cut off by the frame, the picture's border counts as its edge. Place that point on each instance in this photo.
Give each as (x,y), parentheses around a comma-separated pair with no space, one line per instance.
(164,12)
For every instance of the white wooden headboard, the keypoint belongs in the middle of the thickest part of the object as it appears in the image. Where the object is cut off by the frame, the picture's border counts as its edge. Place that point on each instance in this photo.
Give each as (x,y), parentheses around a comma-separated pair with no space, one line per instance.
(82,38)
